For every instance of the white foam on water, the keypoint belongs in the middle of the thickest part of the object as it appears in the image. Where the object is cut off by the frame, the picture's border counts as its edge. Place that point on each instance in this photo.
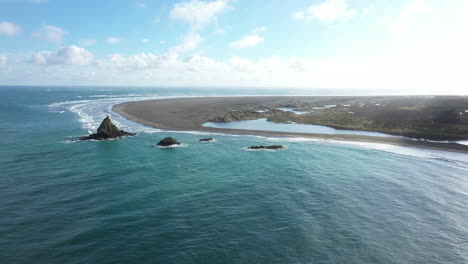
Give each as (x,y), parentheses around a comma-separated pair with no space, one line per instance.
(401,150)
(91,112)
(182,145)
(210,141)
(193,132)
(291,139)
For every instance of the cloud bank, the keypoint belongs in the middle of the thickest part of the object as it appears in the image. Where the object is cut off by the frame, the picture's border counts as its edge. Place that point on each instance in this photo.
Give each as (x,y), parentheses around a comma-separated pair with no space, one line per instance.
(9,29)
(249,41)
(51,34)
(198,13)
(329,11)
(71,55)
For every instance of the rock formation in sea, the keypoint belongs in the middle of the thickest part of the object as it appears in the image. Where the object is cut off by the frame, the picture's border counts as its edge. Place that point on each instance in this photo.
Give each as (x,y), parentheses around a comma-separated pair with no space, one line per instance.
(266,147)
(107,130)
(206,140)
(169,141)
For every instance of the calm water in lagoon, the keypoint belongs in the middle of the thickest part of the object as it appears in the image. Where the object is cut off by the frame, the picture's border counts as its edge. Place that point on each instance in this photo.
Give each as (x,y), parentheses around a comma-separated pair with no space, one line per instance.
(264,125)
(125,201)
(286,109)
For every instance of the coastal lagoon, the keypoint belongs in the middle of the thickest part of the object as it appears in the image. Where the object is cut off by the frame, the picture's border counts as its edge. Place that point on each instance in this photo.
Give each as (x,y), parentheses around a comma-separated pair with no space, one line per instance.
(297,112)
(126,201)
(264,125)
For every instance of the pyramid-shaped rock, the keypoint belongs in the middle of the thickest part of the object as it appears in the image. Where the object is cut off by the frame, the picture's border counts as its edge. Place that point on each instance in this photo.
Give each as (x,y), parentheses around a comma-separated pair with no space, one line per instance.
(107,130)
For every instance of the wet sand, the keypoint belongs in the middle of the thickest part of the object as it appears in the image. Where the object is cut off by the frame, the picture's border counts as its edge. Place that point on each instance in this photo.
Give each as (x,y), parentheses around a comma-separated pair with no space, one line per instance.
(188,114)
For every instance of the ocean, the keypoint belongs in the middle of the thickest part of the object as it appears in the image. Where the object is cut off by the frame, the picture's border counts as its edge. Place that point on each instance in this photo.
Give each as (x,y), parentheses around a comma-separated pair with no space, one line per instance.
(127,201)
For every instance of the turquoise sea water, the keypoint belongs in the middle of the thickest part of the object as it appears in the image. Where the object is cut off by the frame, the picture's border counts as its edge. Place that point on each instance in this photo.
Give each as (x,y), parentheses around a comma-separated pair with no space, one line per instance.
(125,201)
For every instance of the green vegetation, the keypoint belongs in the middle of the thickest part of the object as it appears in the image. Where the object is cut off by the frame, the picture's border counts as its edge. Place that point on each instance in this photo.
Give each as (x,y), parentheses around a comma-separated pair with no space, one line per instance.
(428,117)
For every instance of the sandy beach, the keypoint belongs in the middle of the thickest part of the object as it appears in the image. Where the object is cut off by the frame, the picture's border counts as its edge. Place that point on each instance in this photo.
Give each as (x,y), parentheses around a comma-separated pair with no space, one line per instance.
(188,114)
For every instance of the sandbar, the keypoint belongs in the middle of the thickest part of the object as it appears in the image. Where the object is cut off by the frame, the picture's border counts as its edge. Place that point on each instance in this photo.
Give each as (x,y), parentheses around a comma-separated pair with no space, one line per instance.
(188,114)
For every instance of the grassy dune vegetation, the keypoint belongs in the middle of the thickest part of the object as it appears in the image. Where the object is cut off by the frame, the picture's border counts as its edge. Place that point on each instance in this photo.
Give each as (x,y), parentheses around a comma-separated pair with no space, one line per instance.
(428,117)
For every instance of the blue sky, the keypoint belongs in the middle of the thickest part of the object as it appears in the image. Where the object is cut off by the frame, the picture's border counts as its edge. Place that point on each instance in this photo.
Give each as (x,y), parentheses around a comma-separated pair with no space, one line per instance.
(418,45)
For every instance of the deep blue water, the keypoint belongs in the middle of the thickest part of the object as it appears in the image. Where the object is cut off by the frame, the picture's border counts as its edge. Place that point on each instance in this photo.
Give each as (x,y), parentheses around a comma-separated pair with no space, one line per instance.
(125,201)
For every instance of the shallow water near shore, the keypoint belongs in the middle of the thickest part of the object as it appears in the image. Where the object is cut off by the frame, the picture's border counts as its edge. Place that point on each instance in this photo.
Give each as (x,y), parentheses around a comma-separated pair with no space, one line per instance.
(127,201)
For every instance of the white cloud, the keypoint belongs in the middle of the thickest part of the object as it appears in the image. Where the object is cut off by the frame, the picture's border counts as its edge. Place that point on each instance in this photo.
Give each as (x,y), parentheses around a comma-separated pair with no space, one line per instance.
(199,60)
(242,64)
(384,20)
(190,42)
(382,72)
(38,1)
(141,5)
(9,29)
(299,15)
(3,59)
(70,55)
(51,33)
(113,40)
(145,60)
(113,60)
(135,62)
(153,63)
(409,14)
(366,11)
(259,30)
(87,42)
(249,41)
(145,40)
(329,11)
(198,13)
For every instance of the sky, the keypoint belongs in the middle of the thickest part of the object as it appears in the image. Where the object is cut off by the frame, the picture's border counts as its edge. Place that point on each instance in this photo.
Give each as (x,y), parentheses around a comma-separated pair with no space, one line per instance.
(406,45)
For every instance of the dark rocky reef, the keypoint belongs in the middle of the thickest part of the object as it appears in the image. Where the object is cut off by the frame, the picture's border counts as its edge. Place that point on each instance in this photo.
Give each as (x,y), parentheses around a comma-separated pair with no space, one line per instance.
(107,130)
(169,141)
(266,147)
(206,140)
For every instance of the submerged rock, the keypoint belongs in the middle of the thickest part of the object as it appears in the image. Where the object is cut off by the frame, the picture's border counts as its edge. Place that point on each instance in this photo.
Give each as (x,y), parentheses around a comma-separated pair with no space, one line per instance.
(107,130)
(169,141)
(266,147)
(206,140)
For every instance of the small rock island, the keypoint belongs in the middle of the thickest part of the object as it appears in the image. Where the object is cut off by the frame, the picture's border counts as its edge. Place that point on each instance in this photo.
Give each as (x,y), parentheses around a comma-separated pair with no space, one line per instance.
(206,140)
(167,142)
(266,147)
(107,130)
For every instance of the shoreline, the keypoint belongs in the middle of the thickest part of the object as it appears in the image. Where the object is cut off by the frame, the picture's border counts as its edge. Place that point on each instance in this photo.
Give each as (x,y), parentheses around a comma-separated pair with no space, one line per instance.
(188,115)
